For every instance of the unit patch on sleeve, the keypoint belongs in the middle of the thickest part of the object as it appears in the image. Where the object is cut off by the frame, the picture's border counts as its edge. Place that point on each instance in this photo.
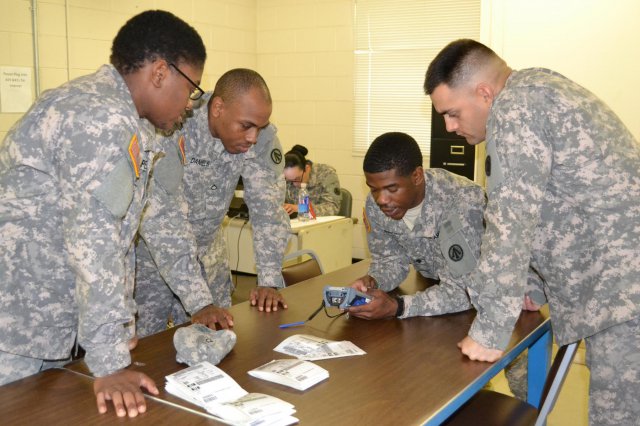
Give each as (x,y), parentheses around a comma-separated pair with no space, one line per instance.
(181,148)
(134,153)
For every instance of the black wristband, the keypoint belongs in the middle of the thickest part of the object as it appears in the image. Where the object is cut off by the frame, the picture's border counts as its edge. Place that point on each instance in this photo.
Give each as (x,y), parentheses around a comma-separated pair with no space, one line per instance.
(400,310)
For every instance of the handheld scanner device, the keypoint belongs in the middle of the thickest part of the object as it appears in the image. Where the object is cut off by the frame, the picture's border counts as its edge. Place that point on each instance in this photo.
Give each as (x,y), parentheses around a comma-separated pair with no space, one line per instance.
(343,297)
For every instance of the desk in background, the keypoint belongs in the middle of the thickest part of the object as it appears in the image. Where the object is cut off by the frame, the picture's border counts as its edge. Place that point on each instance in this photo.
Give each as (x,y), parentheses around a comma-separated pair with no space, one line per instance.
(330,237)
(413,372)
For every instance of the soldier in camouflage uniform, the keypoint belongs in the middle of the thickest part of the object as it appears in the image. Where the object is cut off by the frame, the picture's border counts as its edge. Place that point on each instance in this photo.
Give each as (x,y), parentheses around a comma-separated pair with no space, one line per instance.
(431,219)
(74,179)
(322,182)
(563,183)
(228,137)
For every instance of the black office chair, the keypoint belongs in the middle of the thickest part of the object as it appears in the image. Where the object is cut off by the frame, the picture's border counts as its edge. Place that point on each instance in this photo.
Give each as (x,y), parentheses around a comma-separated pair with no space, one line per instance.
(293,273)
(489,408)
(345,203)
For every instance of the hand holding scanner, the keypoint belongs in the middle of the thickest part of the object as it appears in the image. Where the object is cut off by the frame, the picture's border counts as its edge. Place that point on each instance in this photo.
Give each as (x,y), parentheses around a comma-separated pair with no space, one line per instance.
(343,297)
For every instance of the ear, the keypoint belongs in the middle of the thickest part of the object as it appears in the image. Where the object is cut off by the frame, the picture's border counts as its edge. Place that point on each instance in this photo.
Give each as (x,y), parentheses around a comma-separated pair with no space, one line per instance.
(417,176)
(485,93)
(159,71)
(217,105)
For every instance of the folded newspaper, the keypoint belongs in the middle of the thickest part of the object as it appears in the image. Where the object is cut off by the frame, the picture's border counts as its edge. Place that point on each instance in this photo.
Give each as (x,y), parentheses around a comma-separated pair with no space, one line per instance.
(295,373)
(214,390)
(307,347)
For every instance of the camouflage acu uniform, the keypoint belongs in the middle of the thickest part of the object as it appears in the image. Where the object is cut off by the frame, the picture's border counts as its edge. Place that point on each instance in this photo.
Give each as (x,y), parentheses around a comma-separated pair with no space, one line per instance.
(210,178)
(443,245)
(74,179)
(323,188)
(564,193)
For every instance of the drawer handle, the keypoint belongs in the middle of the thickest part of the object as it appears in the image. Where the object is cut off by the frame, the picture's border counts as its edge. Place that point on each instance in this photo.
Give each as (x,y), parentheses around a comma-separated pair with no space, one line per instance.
(456,150)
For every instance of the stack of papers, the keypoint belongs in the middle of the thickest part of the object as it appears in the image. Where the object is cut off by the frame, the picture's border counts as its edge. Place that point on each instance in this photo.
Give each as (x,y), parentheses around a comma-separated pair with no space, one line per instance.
(300,375)
(307,347)
(214,390)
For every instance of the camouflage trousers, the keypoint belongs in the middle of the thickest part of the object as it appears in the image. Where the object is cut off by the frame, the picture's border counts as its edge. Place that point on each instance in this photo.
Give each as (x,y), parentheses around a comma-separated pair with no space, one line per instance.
(16,367)
(613,358)
(155,299)
(516,375)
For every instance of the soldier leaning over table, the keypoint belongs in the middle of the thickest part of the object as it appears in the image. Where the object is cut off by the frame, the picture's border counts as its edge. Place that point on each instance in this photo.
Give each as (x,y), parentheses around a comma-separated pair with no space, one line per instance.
(431,219)
(228,137)
(563,186)
(75,175)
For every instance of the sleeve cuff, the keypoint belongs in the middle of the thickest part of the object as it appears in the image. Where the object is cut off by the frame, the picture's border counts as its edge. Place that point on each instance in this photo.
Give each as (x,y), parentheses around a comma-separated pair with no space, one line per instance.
(107,359)
(197,298)
(270,279)
(490,334)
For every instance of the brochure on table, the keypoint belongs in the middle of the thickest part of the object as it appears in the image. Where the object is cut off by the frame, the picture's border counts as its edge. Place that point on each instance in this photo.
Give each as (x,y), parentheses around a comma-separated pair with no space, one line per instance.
(214,390)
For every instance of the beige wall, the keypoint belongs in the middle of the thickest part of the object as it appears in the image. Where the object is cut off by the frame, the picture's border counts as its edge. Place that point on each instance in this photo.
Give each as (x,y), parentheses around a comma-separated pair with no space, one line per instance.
(227,27)
(304,50)
(594,42)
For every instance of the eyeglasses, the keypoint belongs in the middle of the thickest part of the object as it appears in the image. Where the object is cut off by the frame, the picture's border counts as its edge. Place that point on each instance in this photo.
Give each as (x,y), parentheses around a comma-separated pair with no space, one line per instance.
(197,92)
(298,179)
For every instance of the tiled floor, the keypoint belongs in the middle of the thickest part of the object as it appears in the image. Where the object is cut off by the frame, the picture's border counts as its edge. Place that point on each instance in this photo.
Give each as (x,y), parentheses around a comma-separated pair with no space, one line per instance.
(571,407)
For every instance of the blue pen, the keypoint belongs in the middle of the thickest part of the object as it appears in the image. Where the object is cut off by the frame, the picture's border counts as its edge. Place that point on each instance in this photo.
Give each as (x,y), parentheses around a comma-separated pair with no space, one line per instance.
(291,324)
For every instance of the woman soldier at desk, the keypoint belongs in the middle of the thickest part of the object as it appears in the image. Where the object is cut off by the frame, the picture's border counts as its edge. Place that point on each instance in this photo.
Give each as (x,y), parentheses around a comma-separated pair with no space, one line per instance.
(321,179)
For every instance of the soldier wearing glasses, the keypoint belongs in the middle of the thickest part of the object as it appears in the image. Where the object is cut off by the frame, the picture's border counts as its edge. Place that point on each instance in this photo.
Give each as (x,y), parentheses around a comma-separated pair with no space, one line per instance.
(75,176)
(228,137)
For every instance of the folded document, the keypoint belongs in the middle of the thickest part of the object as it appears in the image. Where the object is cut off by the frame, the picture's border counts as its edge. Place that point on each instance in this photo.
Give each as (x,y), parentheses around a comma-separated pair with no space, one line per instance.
(214,390)
(295,373)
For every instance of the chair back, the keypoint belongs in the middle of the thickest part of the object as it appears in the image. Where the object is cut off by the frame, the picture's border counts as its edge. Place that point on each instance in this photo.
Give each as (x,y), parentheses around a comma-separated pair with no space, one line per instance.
(300,271)
(555,378)
(345,203)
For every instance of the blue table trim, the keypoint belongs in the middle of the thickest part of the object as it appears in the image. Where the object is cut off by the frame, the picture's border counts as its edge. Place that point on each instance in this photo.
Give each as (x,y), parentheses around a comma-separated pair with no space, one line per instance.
(539,344)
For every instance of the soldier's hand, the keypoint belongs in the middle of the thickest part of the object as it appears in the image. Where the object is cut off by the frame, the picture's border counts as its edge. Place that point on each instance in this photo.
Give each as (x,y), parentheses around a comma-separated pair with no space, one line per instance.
(476,352)
(267,299)
(290,208)
(123,390)
(363,284)
(382,306)
(212,315)
(530,305)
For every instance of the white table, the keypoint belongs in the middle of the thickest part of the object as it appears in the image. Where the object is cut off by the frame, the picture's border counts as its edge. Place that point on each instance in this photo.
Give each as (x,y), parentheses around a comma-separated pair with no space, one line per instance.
(330,237)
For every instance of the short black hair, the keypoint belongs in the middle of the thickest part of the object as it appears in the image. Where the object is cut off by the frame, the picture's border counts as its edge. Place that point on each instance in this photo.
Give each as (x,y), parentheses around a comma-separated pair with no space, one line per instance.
(239,81)
(394,150)
(455,63)
(152,35)
(296,157)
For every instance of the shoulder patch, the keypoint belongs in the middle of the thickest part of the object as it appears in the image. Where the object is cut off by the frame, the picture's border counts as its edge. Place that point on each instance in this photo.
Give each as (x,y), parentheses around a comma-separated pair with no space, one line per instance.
(365,219)
(276,156)
(455,247)
(493,168)
(134,154)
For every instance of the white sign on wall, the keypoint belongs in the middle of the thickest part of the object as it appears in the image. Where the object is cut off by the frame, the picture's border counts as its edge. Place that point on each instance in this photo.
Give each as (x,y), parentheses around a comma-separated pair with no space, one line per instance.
(15,89)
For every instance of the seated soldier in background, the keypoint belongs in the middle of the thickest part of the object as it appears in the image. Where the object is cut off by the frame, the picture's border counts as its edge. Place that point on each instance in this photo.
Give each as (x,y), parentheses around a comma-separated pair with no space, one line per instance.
(431,219)
(228,138)
(321,180)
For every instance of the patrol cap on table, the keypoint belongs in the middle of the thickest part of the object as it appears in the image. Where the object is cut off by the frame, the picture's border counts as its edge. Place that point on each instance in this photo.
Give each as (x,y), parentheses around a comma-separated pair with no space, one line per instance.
(197,343)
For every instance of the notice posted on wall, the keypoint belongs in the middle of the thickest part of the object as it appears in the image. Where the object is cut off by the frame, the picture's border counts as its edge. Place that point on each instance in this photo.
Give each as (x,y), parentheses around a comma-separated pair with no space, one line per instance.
(15,89)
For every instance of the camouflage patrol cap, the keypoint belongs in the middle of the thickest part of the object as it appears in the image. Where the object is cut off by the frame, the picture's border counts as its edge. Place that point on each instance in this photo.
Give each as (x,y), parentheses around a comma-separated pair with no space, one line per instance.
(198,343)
